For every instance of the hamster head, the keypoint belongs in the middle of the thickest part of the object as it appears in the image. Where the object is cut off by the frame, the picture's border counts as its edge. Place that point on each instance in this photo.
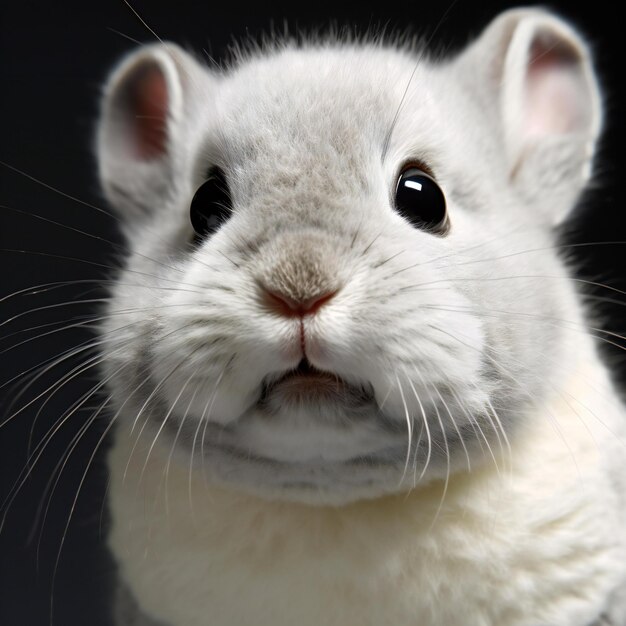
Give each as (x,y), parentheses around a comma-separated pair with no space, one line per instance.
(341,259)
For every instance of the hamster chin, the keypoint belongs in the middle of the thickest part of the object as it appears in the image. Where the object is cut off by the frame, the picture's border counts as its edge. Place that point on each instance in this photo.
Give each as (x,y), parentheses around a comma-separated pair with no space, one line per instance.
(308,436)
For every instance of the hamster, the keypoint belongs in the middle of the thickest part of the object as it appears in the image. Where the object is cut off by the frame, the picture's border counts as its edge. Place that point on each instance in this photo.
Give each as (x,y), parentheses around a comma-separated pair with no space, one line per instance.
(353,381)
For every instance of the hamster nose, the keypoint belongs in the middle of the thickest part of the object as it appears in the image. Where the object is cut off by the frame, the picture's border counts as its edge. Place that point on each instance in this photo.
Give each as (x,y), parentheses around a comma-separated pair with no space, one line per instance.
(288,306)
(298,273)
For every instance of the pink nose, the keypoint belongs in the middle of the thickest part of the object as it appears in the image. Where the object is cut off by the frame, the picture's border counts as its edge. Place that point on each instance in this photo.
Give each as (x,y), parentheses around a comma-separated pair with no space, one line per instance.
(291,307)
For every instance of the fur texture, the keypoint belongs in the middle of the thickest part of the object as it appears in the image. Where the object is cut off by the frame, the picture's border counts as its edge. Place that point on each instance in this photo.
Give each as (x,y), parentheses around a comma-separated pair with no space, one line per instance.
(465,467)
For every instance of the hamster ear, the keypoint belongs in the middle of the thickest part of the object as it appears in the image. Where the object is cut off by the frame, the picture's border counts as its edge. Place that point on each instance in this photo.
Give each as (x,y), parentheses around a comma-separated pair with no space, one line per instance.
(144,136)
(542,80)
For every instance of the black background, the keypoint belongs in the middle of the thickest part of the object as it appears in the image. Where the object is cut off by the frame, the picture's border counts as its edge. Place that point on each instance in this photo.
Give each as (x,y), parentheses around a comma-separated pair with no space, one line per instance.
(54,57)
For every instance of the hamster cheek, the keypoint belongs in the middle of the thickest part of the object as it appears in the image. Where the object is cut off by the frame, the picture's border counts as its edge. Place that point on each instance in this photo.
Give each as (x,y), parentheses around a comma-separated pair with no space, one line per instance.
(447,364)
(214,349)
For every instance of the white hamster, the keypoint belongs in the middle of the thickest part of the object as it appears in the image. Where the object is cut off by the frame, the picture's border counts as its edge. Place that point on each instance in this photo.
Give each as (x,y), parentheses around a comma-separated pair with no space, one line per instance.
(353,381)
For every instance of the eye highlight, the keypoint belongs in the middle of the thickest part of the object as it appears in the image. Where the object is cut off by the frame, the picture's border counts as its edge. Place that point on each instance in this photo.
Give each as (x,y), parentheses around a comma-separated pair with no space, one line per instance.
(211,205)
(419,199)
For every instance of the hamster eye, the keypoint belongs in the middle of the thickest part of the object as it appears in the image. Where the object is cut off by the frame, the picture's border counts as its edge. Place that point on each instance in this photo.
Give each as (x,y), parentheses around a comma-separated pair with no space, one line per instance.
(420,199)
(211,205)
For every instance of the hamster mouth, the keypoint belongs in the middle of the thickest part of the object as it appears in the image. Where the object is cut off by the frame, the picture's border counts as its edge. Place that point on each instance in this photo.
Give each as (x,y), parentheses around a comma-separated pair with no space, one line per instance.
(306,384)
(312,437)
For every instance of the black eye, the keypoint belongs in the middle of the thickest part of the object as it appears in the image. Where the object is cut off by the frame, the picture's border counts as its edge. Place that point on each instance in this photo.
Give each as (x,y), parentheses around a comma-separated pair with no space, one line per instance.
(420,199)
(211,205)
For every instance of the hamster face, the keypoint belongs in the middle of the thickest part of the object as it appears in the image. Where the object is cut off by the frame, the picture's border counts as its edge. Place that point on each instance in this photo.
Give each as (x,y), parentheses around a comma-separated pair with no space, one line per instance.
(318,345)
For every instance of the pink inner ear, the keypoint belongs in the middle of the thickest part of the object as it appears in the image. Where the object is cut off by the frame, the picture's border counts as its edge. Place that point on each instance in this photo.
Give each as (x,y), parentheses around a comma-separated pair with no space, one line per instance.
(149,102)
(554,102)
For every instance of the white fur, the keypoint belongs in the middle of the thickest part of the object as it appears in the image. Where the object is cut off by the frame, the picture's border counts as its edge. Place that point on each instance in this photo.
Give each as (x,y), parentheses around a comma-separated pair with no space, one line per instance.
(483,384)
(536,543)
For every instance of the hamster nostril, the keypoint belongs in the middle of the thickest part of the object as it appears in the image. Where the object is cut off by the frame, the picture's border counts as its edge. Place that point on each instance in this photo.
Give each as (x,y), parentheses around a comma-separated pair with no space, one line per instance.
(290,306)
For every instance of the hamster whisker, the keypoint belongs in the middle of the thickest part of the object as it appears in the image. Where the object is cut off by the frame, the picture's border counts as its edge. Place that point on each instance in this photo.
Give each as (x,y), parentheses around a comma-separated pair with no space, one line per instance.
(604,393)
(117,246)
(145,404)
(86,320)
(46,287)
(37,453)
(162,426)
(205,417)
(141,20)
(389,258)
(542,249)
(73,506)
(417,286)
(236,265)
(124,35)
(89,323)
(45,367)
(560,323)
(370,244)
(62,193)
(39,521)
(417,444)
(404,269)
(500,430)
(241,245)
(36,290)
(602,299)
(158,386)
(55,476)
(129,395)
(54,361)
(458,432)
(203,421)
(48,307)
(356,233)
(150,397)
(160,279)
(497,428)
(428,435)
(409,428)
(519,229)
(59,384)
(420,58)
(598,419)
(447,451)
(482,244)
(84,203)
(476,427)
(89,363)
(80,321)
(199,290)
(552,418)
(162,486)
(178,431)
